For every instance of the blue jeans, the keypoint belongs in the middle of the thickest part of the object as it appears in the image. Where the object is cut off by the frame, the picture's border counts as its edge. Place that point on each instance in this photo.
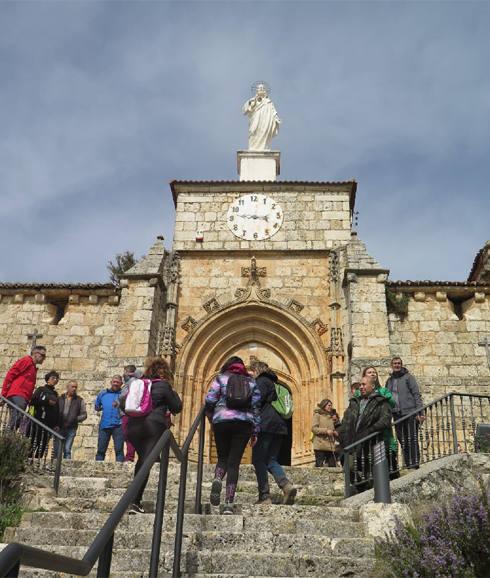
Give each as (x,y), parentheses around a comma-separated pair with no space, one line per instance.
(69,435)
(103,442)
(264,459)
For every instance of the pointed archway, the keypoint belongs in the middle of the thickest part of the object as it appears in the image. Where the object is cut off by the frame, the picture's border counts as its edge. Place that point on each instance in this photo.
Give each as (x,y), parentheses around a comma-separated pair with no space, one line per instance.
(272,331)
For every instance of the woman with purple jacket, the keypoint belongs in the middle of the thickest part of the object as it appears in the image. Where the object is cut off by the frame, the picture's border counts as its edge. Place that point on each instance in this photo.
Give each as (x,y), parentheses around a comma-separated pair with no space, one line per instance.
(233,405)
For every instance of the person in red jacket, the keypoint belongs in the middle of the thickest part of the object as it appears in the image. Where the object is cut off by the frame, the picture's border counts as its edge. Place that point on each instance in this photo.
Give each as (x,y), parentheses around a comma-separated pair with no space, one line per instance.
(20,381)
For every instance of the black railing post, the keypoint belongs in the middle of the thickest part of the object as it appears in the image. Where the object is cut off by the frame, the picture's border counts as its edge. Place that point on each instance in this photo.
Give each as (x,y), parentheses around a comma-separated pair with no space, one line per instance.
(159,512)
(200,466)
(453,423)
(14,571)
(59,457)
(179,526)
(105,559)
(381,474)
(347,485)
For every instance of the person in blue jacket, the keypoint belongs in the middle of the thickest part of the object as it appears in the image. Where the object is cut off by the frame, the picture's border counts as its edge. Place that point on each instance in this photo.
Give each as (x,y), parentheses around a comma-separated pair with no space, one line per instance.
(107,402)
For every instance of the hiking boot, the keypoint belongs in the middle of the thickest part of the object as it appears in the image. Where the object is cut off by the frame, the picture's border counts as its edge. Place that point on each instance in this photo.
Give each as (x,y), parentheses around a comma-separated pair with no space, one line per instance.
(289,492)
(215,496)
(228,509)
(136,509)
(265,499)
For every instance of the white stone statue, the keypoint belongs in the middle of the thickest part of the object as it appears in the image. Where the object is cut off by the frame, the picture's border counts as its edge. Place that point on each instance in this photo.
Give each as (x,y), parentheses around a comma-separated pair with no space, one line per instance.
(263,120)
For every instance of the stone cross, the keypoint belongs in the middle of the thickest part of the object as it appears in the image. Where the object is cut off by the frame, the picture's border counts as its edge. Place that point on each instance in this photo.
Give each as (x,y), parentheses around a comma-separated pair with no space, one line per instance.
(33,337)
(486,344)
(253,273)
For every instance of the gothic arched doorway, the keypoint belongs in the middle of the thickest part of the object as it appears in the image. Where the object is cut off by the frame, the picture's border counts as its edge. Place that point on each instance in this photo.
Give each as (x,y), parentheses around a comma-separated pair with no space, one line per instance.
(271,333)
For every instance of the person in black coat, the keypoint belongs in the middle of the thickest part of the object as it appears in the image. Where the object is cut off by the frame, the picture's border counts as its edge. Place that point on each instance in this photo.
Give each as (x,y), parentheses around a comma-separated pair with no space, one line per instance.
(45,404)
(273,430)
(144,432)
(368,414)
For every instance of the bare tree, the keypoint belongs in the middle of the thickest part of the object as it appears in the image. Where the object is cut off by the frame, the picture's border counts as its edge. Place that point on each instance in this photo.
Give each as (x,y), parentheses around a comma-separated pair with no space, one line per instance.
(120,265)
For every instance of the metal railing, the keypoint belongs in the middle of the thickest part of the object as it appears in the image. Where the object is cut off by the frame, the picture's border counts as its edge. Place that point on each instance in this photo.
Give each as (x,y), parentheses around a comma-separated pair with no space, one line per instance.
(45,444)
(15,555)
(445,426)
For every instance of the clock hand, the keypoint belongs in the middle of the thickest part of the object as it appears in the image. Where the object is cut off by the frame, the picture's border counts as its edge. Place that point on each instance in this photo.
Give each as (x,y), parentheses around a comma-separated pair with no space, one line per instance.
(265,217)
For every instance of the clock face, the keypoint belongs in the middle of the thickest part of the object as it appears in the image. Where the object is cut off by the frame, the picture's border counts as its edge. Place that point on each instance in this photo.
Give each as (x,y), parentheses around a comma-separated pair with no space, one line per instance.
(254,217)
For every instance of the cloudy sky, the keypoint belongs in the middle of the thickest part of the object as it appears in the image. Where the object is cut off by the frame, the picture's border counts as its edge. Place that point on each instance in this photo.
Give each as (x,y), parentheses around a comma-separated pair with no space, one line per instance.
(103,103)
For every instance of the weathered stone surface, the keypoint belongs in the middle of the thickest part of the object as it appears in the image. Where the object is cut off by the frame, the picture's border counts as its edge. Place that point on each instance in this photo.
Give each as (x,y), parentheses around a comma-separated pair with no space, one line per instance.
(379,519)
(300,540)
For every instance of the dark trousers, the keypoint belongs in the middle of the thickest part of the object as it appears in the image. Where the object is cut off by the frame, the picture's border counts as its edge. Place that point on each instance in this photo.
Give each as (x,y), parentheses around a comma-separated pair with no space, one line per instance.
(325,458)
(39,440)
(103,442)
(15,416)
(143,433)
(264,459)
(407,433)
(231,439)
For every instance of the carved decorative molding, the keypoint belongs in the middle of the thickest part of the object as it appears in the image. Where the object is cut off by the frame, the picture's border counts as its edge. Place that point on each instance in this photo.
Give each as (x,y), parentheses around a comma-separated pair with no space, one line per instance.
(241,293)
(295,306)
(188,324)
(264,293)
(336,341)
(211,305)
(167,344)
(319,326)
(172,268)
(334,267)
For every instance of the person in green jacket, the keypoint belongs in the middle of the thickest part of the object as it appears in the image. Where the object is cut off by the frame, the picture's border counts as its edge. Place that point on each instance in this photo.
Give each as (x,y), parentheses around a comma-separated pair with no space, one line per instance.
(390,440)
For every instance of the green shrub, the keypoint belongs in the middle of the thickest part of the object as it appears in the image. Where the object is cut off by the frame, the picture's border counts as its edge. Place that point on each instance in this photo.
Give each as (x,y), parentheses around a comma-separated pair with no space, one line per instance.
(14,450)
(397,303)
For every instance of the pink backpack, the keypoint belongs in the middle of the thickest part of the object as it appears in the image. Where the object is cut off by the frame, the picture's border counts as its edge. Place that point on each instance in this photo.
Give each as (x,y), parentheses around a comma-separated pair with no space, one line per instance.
(138,401)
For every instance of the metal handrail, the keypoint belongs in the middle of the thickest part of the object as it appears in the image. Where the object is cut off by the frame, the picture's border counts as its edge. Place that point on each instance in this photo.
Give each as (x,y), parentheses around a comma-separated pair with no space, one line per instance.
(416,412)
(15,554)
(31,417)
(449,397)
(51,432)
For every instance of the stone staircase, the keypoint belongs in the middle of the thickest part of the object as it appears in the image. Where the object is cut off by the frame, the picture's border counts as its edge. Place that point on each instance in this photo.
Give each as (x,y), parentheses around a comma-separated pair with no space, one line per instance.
(315,537)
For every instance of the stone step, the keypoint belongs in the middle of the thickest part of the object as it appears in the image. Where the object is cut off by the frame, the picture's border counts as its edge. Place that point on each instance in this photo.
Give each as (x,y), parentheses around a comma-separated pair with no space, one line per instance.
(333,538)
(74,488)
(272,564)
(261,515)
(108,503)
(128,563)
(298,474)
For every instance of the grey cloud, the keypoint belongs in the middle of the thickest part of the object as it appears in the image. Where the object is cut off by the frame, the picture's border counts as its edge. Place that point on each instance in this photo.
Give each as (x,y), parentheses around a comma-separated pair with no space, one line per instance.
(104,103)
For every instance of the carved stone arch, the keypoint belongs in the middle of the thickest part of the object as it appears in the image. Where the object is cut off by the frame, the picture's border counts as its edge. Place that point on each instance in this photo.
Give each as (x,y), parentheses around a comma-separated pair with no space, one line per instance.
(272,328)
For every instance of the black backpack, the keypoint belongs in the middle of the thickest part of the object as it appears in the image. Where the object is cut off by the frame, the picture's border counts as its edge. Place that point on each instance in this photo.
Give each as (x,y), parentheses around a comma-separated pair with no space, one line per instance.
(238,392)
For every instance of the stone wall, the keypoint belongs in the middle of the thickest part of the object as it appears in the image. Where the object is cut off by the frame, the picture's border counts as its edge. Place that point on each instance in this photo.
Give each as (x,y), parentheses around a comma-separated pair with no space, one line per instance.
(315,217)
(80,345)
(300,280)
(438,339)
(90,331)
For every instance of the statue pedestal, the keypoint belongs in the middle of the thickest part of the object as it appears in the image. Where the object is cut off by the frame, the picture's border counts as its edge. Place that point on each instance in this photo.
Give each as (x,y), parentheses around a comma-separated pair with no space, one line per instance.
(258,165)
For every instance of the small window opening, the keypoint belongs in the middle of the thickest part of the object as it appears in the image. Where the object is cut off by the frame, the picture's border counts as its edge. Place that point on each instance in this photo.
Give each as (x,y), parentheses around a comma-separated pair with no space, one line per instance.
(457,303)
(60,306)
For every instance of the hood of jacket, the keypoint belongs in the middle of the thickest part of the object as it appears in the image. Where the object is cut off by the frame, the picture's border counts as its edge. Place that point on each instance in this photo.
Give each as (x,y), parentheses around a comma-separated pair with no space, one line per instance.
(403,371)
(269,374)
(321,411)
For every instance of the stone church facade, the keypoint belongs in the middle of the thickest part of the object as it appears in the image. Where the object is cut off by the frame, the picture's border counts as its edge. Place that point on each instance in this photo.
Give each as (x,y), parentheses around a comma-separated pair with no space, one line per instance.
(308,299)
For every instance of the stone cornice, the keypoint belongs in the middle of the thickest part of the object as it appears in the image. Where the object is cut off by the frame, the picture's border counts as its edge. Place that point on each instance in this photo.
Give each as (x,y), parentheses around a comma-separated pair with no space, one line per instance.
(416,285)
(265,186)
